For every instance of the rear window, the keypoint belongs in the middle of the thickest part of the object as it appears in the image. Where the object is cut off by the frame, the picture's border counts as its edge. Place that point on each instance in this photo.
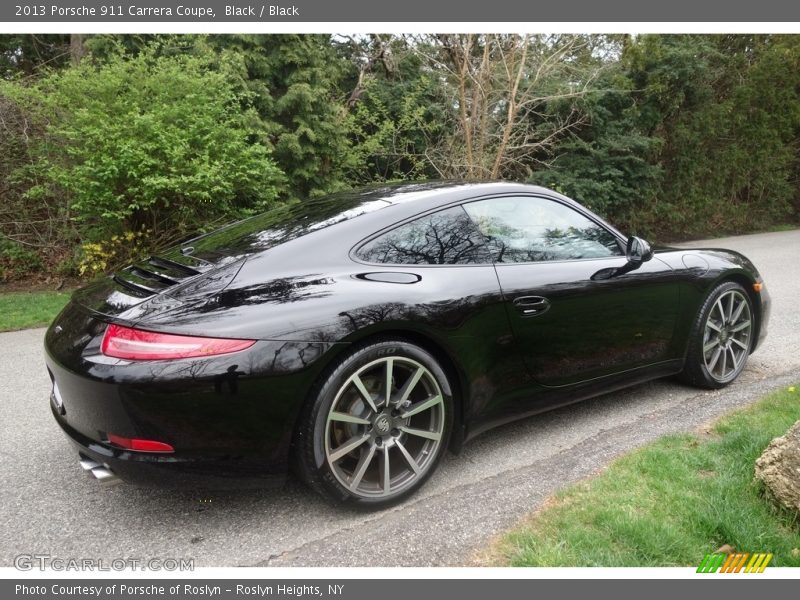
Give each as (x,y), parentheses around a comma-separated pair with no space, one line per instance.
(285,222)
(446,237)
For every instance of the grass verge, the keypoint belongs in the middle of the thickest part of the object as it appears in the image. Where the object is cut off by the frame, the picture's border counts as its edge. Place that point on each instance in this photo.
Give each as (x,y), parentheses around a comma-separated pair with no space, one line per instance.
(669,503)
(21,310)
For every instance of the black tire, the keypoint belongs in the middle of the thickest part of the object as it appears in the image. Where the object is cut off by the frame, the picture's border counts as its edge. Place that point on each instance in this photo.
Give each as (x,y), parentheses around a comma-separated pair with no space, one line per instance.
(731,346)
(323,436)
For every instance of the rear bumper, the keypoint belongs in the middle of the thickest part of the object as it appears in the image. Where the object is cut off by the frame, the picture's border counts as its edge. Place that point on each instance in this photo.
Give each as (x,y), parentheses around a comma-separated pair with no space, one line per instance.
(168,471)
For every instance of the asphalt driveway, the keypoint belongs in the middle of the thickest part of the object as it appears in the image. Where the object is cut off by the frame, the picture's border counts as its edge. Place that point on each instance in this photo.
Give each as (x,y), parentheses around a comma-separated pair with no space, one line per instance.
(49,506)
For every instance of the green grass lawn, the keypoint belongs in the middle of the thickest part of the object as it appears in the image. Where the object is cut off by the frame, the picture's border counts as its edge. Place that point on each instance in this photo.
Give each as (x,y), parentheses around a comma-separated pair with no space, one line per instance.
(21,310)
(669,503)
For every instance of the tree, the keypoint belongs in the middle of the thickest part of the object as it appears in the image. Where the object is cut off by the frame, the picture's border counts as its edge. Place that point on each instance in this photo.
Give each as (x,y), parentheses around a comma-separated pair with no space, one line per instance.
(503,89)
(295,85)
(611,162)
(726,110)
(396,108)
(27,54)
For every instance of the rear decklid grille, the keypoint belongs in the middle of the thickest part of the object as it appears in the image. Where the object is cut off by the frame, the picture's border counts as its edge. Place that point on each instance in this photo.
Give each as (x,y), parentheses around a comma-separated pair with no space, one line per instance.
(154,275)
(172,268)
(131,286)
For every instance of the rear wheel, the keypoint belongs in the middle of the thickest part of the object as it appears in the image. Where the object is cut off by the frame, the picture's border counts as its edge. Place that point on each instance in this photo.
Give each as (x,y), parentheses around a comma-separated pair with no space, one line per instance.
(721,337)
(378,425)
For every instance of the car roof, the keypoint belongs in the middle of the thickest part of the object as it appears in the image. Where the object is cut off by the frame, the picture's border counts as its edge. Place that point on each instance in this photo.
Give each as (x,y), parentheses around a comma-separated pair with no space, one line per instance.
(339,221)
(445,190)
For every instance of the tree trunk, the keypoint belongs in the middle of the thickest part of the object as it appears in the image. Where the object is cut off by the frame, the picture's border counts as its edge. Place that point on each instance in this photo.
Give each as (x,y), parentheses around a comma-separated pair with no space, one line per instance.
(76,48)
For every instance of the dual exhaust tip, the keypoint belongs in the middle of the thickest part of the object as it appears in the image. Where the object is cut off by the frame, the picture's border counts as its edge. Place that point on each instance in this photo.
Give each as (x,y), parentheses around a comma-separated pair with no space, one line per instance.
(102,473)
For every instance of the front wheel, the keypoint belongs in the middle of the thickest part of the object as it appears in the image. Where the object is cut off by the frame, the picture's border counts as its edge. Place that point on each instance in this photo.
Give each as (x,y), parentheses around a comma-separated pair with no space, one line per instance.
(378,425)
(721,337)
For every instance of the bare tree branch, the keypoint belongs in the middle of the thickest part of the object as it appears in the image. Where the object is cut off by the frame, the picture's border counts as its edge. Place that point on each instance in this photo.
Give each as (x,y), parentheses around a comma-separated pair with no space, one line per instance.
(513,98)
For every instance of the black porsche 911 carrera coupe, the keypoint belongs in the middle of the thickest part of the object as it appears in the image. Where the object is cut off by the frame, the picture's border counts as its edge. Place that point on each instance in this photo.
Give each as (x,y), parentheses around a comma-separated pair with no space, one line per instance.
(357,337)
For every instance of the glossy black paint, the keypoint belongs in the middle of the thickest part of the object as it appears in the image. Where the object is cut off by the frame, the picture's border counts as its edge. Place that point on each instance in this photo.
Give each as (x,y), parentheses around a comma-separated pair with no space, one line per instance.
(293,280)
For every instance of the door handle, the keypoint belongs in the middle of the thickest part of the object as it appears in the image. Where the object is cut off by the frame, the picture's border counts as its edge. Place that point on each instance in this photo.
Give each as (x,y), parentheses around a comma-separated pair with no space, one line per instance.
(531,306)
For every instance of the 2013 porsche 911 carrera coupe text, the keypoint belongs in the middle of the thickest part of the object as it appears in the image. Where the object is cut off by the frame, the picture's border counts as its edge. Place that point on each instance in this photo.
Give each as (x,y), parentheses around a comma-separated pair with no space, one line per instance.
(359,336)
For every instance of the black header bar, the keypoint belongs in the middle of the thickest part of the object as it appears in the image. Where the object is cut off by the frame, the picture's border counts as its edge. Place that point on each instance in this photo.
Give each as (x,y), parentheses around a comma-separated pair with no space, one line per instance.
(362,11)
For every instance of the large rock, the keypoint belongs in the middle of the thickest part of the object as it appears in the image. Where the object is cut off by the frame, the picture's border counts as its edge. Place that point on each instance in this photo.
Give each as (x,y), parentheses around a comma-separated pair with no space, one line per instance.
(779,468)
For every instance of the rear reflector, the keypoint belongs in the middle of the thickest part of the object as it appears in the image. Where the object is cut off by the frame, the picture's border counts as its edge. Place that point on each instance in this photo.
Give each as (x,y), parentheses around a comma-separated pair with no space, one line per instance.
(135,344)
(139,445)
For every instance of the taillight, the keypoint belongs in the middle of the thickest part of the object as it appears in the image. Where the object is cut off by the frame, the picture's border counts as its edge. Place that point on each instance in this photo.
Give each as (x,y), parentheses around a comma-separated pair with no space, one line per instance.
(135,344)
(139,445)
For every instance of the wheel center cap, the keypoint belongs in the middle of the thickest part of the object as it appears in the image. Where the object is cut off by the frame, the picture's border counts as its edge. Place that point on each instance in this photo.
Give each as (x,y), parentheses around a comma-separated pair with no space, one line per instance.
(382,424)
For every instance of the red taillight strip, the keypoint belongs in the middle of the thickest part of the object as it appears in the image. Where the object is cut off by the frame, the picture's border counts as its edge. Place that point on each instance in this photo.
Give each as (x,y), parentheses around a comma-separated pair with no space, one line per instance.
(139,445)
(136,344)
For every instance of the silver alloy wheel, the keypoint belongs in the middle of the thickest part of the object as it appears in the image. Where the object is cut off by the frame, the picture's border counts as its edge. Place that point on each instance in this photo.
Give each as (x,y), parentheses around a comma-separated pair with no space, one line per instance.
(726,339)
(384,427)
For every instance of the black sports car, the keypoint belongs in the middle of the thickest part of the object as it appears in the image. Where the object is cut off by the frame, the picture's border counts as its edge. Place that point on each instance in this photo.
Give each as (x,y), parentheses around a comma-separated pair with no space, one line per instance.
(359,336)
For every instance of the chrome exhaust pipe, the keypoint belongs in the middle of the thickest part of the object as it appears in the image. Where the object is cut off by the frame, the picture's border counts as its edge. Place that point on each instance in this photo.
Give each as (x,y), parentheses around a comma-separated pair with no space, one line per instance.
(105,476)
(88,464)
(101,473)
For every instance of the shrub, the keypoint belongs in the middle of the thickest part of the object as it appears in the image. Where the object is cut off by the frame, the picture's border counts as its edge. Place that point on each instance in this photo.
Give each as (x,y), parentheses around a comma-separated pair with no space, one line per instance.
(97,257)
(147,141)
(16,260)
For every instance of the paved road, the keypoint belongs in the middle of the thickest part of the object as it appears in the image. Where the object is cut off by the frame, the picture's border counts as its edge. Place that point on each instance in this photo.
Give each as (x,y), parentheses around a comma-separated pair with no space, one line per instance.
(47,505)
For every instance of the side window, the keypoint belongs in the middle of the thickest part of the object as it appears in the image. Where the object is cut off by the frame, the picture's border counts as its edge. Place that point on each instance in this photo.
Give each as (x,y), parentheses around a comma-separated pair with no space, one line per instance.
(529,229)
(447,237)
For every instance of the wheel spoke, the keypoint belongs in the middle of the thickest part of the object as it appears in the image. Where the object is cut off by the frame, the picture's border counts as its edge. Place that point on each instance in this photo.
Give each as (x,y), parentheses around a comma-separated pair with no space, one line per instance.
(724,366)
(421,406)
(730,307)
(733,358)
(409,385)
(711,325)
(738,312)
(409,459)
(389,369)
(347,418)
(740,326)
(364,392)
(742,345)
(720,310)
(710,346)
(385,475)
(423,433)
(361,467)
(714,358)
(348,447)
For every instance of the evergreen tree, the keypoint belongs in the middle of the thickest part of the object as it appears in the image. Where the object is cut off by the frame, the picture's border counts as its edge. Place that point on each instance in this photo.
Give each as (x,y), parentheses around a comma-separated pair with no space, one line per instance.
(295,85)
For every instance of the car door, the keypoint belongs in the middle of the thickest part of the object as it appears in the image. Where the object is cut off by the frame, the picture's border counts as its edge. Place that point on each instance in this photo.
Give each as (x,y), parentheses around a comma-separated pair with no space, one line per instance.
(453,298)
(569,326)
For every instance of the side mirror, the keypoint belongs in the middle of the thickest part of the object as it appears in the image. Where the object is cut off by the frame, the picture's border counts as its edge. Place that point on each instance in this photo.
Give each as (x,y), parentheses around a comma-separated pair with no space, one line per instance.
(638,251)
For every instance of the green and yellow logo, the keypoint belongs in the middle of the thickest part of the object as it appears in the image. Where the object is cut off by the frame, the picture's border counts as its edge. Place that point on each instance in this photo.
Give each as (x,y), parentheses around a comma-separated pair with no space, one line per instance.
(735,562)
